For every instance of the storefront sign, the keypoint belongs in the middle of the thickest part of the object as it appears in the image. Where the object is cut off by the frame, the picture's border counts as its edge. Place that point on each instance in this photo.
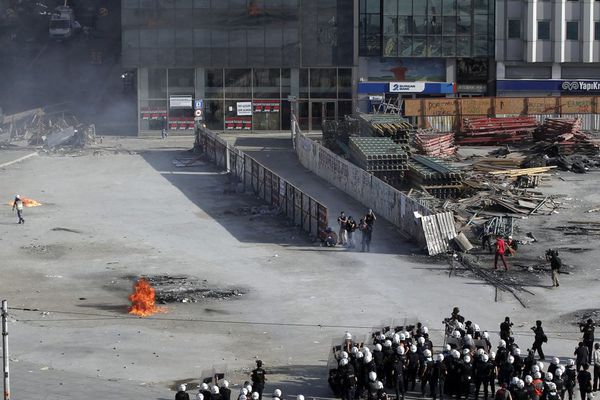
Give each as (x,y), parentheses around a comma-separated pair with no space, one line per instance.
(547,85)
(377,88)
(406,87)
(471,88)
(238,123)
(266,106)
(244,108)
(181,102)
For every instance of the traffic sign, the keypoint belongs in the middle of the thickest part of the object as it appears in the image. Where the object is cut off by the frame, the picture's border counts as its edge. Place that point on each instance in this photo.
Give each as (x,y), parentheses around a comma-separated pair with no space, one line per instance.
(198,104)
(198,113)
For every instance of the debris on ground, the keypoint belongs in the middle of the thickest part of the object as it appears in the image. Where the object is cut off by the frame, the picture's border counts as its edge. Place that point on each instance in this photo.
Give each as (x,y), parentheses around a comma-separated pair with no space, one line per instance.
(186,289)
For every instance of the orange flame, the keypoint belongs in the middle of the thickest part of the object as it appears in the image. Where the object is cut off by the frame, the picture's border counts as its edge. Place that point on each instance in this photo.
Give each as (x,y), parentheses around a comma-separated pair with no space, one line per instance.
(143,299)
(27,202)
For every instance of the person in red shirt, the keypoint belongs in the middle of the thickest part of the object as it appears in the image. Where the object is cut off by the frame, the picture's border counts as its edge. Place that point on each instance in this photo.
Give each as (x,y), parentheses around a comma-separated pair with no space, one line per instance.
(500,250)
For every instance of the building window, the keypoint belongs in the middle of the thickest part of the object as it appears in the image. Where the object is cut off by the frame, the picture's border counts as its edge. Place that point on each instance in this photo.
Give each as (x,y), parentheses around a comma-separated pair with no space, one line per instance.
(543,30)
(572,30)
(514,28)
(596,30)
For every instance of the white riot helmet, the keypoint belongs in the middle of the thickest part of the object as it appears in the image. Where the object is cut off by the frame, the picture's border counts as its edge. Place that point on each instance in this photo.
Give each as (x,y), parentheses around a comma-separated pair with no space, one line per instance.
(377,347)
(517,351)
(378,385)
(255,396)
(537,375)
(182,388)
(400,350)
(225,384)
(510,359)
(425,330)
(18,196)
(344,354)
(421,340)
(396,338)
(389,334)
(402,336)
(528,379)
(348,336)
(200,396)
(299,397)
(477,329)
(480,352)
(354,350)
(485,358)
(214,390)
(571,362)
(541,365)
(372,376)
(466,351)
(244,391)
(413,348)
(468,336)
(502,343)
(558,372)
(427,353)
(277,393)
(204,386)
(492,355)
(514,381)
(555,361)
(407,334)
(387,343)
(440,357)
(249,388)
(535,369)
(447,348)
(359,355)
(381,336)
(456,334)
(467,359)
(552,386)
(343,362)
(520,384)
(549,376)
(368,358)
(486,335)
(455,354)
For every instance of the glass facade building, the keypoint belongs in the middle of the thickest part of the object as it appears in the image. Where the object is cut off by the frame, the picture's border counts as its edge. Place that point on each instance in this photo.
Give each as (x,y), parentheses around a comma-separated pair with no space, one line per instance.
(243,58)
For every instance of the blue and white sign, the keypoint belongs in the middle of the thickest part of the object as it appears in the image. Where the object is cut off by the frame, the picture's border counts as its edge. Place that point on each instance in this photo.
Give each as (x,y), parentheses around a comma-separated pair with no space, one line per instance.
(406,87)
(198,104)
(547,85)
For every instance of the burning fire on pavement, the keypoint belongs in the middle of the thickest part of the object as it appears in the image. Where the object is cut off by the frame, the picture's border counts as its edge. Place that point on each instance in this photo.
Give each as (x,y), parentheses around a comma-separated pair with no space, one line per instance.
(27,202)
(143,300)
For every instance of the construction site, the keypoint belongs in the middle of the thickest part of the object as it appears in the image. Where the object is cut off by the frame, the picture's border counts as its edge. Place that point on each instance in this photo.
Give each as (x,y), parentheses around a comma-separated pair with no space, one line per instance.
(225,233)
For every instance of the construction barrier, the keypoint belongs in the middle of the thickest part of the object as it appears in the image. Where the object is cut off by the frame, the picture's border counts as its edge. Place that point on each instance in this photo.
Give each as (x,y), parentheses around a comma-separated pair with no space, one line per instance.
(298,207)
(386,201)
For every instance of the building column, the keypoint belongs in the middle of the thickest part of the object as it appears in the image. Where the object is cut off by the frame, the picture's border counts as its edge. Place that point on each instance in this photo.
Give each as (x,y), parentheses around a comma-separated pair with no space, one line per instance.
(200,84)
(558,30)
(556,71)
(500,70)
(531,32)
(295,82)
(587,31)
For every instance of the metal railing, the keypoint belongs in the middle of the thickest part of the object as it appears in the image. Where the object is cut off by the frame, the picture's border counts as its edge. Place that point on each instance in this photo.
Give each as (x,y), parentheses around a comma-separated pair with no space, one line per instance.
(298,207)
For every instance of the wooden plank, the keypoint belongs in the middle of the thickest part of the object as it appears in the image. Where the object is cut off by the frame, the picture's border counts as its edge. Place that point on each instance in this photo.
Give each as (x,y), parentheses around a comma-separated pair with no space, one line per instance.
(476,106)
(509,105)
(439,107)
(577,105)
(413,107)
(542,105)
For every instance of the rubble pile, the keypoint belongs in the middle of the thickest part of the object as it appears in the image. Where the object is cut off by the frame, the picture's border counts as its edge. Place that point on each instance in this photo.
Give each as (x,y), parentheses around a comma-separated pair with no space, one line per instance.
(492,131)
(563,136)
(184,289)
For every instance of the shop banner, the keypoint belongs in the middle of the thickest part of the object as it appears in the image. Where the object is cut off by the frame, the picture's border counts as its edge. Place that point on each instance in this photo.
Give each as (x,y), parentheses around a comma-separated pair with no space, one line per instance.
(181,102)
(266,106)
(238,123)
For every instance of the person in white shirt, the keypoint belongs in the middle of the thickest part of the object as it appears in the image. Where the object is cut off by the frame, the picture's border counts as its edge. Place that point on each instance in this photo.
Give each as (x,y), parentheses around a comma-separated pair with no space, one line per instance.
(18,205)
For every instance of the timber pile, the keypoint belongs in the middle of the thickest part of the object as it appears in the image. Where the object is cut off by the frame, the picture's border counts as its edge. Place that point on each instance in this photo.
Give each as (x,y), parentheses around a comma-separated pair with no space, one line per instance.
(566,137)
(387,125)
(435,144)
(434,177)
(492,131)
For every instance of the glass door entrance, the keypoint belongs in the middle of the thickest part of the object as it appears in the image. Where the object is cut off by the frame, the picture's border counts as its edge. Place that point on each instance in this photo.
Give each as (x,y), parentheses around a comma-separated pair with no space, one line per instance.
(321,111)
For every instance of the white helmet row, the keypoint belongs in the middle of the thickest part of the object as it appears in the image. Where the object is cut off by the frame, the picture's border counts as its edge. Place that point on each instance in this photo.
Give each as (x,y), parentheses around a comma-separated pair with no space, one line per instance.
(528,379)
